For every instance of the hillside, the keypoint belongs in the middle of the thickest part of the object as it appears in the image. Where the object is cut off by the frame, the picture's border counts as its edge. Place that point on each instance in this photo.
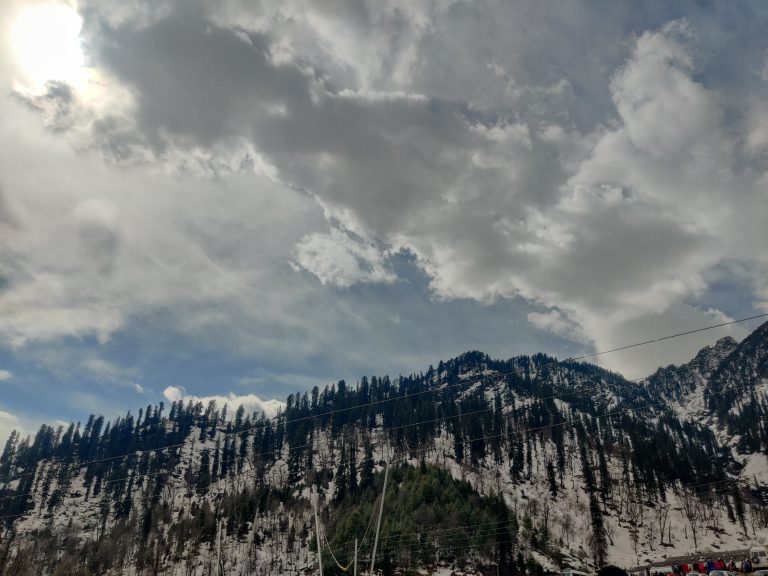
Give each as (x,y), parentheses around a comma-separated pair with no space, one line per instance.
(530,463)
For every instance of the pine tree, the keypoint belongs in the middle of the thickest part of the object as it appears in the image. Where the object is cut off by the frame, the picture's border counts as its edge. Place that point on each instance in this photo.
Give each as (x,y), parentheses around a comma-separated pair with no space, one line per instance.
(528,455)
(738,504)
(353,468)
(552,479)
(216,461)
(341,478)
(605,476)
(204,475)
(9,453)
(239,417)
(599,541)
(366,470)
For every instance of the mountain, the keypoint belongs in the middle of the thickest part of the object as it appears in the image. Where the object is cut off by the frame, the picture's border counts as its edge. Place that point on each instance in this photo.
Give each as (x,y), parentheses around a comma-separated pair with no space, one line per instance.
(676,381)
(526,465)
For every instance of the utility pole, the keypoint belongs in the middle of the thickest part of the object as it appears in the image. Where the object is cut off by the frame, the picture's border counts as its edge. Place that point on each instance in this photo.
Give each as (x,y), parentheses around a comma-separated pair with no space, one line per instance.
(381,513)
(354,572)
(218,535)
(218,550)
(317,533)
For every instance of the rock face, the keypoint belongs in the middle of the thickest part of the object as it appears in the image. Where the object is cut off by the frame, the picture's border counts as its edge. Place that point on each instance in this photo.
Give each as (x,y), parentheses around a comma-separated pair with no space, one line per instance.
(746,365)
(676,381)
(527,463)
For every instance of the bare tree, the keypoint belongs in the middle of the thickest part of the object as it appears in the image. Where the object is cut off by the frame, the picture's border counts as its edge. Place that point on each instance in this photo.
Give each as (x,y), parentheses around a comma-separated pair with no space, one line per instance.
(566,528)
(758,516)
(650,533)
(157,555)
(662,515)
(190,566)
(689,508)
(634,516)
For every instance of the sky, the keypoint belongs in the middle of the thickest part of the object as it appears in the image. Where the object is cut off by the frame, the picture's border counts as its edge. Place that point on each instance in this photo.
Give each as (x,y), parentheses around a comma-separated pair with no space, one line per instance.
(244,199)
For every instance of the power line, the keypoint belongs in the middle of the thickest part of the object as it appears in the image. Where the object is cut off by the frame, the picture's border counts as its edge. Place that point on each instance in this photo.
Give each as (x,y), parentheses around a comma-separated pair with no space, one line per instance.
(290,448)
(237,432)
(565,361)
(496,375)
(395,545)
(462,529)
(458,533)
(426,450)
(669,337)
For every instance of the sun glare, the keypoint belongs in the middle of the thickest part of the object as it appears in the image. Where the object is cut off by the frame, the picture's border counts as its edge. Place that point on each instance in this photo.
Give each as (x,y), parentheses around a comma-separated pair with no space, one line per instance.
(45,40)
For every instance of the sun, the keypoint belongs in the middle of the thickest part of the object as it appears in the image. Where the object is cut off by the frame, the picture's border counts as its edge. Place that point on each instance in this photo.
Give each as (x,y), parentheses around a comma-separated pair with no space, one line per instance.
(45,42)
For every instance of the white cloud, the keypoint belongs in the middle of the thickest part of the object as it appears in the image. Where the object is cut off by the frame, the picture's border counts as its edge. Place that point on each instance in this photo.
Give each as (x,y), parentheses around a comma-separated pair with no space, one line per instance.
(556,323)
(250,402)
(8,423)
(96,247)
(665,112)
(339,259)
(5,375)
(598,179)
(174,393)
(502,133)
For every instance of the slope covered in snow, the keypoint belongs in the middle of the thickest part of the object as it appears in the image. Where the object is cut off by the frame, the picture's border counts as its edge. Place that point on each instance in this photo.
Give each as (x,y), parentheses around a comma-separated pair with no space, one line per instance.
(585,467)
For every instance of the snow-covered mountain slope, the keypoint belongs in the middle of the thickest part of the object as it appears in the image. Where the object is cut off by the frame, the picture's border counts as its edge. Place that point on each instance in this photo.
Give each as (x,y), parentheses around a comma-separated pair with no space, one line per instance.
(547,463)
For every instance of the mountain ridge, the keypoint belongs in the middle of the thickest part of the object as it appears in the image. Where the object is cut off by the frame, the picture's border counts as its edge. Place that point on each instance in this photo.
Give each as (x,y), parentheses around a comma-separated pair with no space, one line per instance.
(598,454)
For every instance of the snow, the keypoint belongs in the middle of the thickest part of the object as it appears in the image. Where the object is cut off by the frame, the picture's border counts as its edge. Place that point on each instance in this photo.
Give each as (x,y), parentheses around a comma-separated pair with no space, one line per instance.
(755,469)
(566,515)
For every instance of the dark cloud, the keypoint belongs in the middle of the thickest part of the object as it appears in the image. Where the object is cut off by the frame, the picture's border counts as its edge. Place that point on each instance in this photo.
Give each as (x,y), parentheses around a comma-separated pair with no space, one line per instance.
(557,165)
(489,142)
(195,80)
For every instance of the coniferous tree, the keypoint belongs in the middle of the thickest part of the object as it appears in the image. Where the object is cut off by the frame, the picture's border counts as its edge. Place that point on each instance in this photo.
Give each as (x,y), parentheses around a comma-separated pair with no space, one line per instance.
(353,485)
(239,417)
(598,541)
(8,455)
(341,477)
(366,470)
(216,461)
(528,455)
(204,474)
(605,476)
(551,478)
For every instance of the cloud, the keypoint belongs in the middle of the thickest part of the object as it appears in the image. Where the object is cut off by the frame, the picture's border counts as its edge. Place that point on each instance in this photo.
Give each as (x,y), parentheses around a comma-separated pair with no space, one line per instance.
(340,259)
(8,423)
(565,157)
(95,251)
(174,393)
(555,322)
(106,370)
(250,402)
(262,378)
(663,109)
(5,375)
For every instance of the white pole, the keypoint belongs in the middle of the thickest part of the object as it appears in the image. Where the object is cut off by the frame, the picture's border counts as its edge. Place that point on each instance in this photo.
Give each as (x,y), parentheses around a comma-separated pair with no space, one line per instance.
(317,534)
(218,549)
(355,564)
(218,536)
(381,513)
